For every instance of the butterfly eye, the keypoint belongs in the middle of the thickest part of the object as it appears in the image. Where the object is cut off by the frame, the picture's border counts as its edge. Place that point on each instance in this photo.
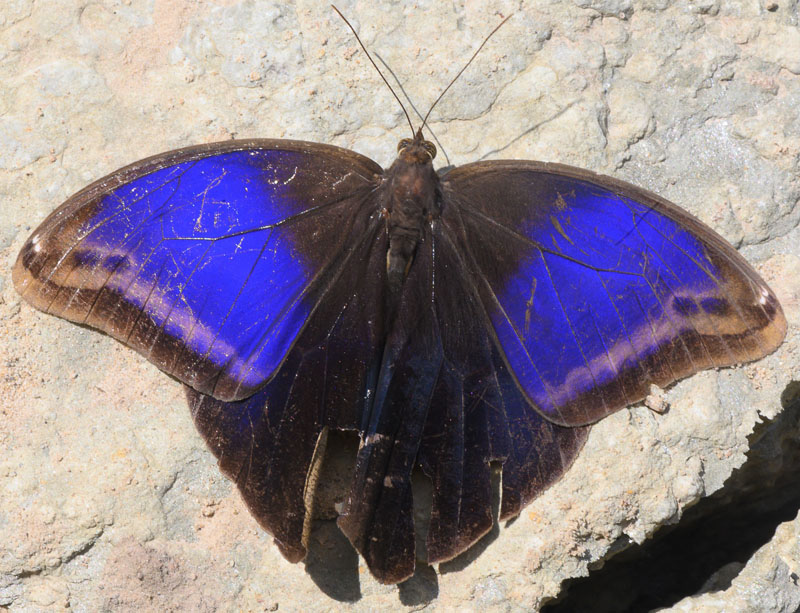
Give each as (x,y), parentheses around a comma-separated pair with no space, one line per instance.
(404,142)
(430,148)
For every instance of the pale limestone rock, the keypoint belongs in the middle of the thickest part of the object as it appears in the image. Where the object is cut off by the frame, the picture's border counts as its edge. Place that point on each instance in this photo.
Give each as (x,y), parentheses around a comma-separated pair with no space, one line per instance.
(780,45)
(630,117)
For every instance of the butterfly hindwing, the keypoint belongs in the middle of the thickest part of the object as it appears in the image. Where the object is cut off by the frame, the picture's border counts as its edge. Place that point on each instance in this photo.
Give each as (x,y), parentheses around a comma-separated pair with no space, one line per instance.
(596,289)
(445,400)
(266,443)
(207,260)
(479,416)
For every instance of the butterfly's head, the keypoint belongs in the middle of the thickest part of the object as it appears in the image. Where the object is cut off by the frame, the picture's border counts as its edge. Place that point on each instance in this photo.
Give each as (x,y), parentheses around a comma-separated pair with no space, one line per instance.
(416,150)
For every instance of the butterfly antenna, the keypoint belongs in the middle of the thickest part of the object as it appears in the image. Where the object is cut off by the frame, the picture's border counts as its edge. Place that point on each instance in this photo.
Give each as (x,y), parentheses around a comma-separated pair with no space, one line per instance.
(396,97)
(477,51)
(413,106)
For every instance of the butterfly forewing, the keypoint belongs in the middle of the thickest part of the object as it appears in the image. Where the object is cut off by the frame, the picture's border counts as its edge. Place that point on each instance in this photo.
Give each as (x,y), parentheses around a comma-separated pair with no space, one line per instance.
(207,260)
(595,289)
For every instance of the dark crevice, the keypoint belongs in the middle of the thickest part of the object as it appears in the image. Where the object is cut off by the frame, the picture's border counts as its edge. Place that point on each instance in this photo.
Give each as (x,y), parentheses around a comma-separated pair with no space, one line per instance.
(713,540)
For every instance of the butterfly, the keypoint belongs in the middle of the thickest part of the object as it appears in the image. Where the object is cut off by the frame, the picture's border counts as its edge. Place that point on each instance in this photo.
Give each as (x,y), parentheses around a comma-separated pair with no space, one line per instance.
(488,314)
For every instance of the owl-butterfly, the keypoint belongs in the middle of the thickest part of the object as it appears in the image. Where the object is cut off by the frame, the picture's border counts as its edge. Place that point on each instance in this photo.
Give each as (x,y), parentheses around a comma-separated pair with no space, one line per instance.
(490,313)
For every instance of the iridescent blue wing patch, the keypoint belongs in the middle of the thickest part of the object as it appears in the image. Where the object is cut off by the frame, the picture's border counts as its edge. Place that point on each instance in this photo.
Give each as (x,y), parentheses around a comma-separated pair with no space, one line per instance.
(595,289)
(207,260)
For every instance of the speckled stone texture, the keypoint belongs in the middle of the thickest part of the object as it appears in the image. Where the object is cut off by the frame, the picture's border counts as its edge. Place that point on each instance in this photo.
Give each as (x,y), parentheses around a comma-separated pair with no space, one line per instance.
(110,500)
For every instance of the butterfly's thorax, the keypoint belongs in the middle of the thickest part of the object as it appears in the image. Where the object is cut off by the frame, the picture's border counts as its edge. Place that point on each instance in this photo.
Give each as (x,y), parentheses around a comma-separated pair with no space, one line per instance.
(412,200)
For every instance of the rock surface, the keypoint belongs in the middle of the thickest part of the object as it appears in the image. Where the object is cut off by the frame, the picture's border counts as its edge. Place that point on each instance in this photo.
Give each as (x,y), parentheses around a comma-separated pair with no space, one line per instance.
(110,500)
